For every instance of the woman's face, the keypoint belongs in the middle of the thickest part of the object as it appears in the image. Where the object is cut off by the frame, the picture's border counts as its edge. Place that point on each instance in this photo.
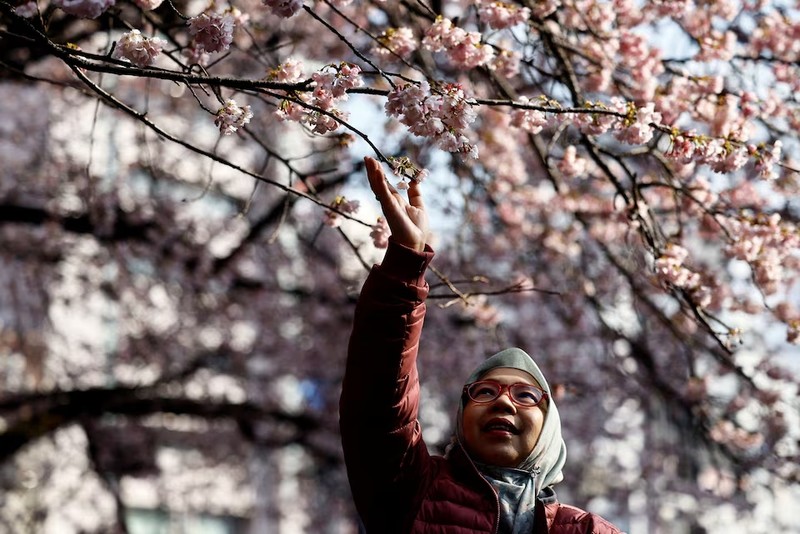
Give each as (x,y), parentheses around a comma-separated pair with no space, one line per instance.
(500,432)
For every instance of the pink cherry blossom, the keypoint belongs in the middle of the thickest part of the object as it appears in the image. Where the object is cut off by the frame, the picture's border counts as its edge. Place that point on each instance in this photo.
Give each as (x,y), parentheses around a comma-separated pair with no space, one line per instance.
(340,203)
(347,206)
(231,117)
(239,17)
(395,43)
(709,150)
(717,46)
(284,8)
(196,55)
(506,63)
(638,128)
(787,312)
(322,123)
(735,436)
(696,388)
(28,9)
(87,9)
(778,35)
(380,233)
(403,166)
(331,84)
(767,244)
(788,74)
(290,71)
(674,100)
(670,269)
(793,332)
(530,120)
(333,81)
(642,62)
(682,148)
(148,5)
(499,154)
(571,165)
(331,219)
(594,16)
(671,8)
(442,114)
(627,13)
(766,160)
(479,310)
(442,35)
(290,111)
(748,103)
(598,80)
(734,157)
(213,32)
(599,120)
(138,49)
(545,7)
(464,49)
(722,155)
(500,15)
(633,48)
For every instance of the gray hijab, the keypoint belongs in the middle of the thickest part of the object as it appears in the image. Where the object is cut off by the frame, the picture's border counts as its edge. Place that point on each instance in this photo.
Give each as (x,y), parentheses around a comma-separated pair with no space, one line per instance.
(518,487)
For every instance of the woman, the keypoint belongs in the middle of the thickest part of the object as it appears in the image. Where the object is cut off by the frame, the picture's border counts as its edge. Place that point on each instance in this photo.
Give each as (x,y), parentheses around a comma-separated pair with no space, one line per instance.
(497,477)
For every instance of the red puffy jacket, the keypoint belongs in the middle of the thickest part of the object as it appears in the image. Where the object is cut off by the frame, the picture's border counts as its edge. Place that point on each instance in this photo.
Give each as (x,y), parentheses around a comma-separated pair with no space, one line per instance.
(398,487)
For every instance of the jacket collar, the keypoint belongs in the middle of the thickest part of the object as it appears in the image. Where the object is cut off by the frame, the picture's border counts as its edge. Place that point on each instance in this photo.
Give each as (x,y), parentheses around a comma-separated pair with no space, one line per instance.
(464,468)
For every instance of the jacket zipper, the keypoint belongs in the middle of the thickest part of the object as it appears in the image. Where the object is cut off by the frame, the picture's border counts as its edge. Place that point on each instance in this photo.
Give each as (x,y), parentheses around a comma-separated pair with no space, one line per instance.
(486,482)
(537,470)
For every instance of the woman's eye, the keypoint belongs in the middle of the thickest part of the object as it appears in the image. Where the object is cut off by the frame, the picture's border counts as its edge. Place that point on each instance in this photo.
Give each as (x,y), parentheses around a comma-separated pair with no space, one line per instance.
(528,395)
(484,391)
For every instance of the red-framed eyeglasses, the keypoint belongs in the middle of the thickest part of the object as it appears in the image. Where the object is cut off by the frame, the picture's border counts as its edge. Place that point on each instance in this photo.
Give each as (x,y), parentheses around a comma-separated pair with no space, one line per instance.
(521,394)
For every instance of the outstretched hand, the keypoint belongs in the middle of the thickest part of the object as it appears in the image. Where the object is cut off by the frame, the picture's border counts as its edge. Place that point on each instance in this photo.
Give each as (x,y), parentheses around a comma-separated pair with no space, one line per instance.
(406,219)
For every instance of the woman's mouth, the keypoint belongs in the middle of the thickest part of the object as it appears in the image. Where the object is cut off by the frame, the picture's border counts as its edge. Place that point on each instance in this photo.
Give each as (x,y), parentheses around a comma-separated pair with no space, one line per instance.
(500,425)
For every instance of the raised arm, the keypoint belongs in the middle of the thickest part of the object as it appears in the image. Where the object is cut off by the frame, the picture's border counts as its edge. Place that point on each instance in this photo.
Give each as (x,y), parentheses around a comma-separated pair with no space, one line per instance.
(381,436)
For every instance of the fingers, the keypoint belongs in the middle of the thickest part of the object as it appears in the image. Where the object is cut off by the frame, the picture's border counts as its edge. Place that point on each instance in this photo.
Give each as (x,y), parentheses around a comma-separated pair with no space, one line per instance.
(383,189)
(415,195)
(406,218)
(377,180)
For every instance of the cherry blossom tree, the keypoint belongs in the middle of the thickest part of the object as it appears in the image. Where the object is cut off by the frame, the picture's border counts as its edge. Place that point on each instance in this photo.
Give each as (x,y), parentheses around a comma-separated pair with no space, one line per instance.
(185,228)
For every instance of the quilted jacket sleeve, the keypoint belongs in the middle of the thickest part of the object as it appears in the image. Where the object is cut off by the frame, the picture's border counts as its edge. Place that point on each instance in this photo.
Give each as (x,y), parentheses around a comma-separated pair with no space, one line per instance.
(566,519)
(381,437)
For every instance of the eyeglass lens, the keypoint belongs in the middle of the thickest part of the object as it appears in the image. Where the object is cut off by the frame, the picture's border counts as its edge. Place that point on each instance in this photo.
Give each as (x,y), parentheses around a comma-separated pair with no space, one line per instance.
(488,391)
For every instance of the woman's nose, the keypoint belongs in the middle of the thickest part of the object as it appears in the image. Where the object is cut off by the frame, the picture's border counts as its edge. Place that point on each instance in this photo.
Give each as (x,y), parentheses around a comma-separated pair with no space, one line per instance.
(503,402)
